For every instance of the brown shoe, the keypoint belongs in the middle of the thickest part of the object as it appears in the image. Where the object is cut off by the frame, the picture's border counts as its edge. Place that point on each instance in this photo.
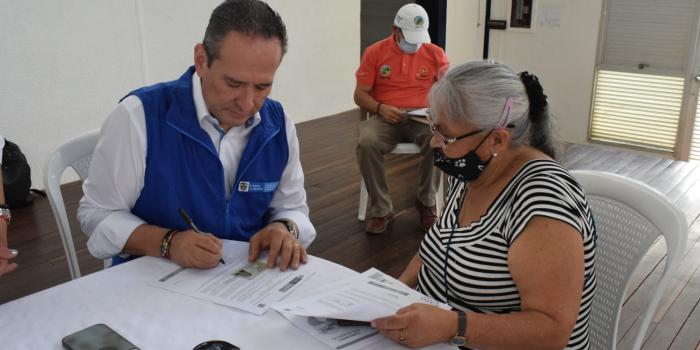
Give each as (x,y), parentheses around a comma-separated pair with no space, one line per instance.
(428,215)
(378,225)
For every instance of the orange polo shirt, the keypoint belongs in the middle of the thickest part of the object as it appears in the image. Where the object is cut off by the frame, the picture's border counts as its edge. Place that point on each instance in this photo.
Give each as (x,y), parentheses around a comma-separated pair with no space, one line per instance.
(400,79)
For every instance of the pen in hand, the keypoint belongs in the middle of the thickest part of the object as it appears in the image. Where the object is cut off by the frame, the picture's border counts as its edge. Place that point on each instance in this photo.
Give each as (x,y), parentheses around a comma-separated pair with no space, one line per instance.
(194,228)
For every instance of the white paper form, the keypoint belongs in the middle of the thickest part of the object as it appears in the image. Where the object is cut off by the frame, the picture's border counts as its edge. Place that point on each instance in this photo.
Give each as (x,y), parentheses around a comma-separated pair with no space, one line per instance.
(419,115)
(348,338)
(247,286)
(365,297)
(421,112)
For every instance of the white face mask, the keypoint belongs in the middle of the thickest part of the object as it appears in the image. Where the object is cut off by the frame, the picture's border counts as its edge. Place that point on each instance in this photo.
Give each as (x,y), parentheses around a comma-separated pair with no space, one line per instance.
(408,47)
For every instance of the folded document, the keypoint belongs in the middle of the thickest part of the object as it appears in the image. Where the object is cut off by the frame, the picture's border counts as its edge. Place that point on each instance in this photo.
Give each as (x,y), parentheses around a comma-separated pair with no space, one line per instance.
(364,297)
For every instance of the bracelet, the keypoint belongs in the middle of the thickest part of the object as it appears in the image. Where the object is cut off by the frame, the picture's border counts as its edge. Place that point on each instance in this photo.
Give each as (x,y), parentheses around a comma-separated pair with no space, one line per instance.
(5,214)
(165,243)
(377,111)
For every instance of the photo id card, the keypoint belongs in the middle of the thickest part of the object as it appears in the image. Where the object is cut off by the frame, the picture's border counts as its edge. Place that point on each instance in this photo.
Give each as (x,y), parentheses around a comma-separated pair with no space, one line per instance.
(251,270)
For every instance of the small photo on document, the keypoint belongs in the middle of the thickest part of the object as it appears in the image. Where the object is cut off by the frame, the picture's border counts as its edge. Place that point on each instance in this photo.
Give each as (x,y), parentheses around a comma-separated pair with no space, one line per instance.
(250,270)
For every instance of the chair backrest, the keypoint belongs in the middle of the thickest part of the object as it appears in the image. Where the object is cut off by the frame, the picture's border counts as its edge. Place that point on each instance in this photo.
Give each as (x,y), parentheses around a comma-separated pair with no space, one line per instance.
(629,216)
(75,153)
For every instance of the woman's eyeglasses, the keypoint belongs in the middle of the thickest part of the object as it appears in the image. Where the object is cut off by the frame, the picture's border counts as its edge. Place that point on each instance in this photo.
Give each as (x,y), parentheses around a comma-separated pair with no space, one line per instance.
(443,141)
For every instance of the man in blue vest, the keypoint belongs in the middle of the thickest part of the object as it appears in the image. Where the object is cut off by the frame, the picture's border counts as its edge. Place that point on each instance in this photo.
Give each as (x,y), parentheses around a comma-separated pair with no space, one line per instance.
(211,143)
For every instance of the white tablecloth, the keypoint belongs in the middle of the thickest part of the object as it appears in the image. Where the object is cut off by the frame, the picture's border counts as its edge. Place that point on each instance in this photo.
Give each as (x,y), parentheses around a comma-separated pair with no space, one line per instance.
(150,317)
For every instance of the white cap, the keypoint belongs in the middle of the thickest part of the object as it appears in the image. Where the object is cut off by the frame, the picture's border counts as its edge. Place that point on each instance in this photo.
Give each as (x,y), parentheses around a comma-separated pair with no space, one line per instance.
(413,21)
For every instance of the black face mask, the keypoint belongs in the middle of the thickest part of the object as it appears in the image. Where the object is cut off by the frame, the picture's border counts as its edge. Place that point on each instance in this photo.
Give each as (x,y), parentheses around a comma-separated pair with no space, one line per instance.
(466,168)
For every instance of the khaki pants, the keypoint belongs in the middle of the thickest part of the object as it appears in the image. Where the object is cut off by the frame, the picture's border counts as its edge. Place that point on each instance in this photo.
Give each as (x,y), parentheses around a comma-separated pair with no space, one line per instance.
(377,138)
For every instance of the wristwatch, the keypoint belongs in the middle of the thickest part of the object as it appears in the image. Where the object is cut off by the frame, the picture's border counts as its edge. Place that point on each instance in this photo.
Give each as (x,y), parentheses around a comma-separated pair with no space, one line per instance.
(460,339)
(5,213)
(290,225)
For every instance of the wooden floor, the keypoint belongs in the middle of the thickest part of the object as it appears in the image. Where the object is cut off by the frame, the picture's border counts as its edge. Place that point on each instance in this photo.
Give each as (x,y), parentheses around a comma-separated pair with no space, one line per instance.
(332,184)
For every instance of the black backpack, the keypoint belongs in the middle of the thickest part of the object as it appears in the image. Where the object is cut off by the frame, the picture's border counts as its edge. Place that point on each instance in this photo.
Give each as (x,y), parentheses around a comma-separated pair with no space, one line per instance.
(16,176)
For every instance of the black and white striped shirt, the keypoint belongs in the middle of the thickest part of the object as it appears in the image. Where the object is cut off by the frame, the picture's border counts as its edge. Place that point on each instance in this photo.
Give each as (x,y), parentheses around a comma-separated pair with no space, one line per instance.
(477,276)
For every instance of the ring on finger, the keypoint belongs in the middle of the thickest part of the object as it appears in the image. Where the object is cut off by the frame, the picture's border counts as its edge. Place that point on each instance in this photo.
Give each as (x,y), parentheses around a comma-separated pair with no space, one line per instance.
(401,337)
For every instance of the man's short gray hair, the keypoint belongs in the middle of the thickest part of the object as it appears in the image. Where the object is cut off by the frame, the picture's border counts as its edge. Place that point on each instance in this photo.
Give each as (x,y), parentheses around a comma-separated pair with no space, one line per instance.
(251,17)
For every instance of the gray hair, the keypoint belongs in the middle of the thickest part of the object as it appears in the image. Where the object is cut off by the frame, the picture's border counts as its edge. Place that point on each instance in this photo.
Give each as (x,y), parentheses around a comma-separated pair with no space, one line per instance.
(254,18)
(476,93)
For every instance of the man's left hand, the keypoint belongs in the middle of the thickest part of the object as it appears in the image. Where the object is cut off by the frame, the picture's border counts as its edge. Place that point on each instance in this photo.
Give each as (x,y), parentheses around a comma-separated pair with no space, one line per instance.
(280,243)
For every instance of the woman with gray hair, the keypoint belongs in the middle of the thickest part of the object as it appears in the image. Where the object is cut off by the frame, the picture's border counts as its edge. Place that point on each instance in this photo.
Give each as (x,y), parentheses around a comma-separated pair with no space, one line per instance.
(513,252)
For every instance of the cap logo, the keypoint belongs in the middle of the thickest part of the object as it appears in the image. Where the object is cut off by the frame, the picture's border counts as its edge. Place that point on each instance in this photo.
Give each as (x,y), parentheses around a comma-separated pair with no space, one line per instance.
(385,70)
(418,21)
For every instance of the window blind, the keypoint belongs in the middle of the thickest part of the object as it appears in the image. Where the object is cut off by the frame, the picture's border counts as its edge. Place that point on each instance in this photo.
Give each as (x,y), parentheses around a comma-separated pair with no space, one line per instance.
(695,144)
(652,32)
(637,109)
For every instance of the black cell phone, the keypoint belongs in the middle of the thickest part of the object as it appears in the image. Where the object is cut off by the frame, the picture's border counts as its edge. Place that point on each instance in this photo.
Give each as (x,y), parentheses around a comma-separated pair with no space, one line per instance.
(97,337)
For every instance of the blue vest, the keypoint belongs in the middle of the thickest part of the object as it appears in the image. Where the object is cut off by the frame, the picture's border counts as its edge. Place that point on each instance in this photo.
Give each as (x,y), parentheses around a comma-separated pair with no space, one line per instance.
(183,169)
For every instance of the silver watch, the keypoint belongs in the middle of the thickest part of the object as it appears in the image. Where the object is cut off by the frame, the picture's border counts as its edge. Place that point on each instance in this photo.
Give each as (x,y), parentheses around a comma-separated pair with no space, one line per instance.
(291,227)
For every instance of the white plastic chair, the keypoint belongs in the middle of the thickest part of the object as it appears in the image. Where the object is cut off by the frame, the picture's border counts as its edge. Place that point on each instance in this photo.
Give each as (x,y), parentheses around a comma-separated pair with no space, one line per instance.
(401,148)
(629,216)
(75,153)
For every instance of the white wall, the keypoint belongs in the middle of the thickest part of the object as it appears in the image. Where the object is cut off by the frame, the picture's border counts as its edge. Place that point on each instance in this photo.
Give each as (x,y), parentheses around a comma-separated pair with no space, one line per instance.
(464,34)
(66,63)
(562,56)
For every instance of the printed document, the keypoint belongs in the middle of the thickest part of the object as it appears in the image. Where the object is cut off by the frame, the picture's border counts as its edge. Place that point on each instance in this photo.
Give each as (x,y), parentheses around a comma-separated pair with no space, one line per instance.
(249,286)
(419,115)
(364,297)
(338,337)
(420,112)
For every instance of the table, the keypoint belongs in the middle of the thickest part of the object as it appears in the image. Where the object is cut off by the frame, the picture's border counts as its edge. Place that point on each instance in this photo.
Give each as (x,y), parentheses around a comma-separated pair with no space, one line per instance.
(150,317)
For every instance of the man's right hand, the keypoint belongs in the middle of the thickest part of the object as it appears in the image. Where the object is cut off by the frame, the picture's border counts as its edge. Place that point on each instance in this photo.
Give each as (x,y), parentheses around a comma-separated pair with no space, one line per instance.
(192,249)
(391,114)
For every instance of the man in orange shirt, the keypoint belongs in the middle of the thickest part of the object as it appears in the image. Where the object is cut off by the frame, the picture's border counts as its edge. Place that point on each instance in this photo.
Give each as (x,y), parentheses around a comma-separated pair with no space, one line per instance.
(395,76)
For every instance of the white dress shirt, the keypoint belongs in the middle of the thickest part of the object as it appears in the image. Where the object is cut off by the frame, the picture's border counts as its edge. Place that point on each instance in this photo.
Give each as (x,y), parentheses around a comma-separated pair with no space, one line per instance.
(118,167)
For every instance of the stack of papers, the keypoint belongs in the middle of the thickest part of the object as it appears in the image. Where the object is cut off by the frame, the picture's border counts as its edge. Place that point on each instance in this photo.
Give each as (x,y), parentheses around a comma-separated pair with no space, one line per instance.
(252,287)
(419,115)
(248,286)
(365,297)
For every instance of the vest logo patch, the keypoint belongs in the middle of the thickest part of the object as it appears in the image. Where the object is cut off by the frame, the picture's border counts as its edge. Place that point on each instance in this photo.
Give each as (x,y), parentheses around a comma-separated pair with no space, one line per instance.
(265,187)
